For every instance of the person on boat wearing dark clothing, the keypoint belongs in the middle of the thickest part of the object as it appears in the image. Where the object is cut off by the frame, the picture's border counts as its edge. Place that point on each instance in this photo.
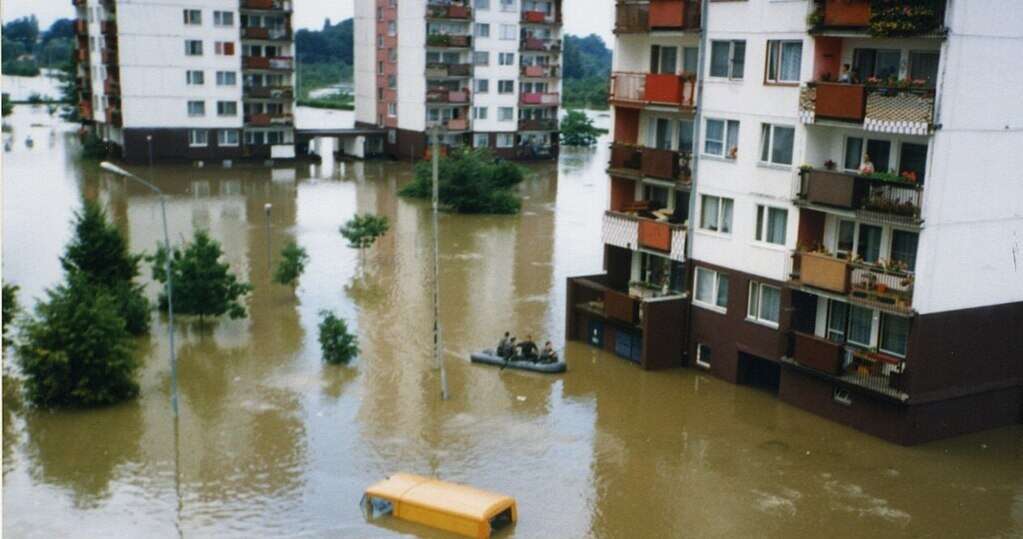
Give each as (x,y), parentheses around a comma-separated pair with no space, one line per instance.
(528,349)
(502,346)
(548,355)
(509,351)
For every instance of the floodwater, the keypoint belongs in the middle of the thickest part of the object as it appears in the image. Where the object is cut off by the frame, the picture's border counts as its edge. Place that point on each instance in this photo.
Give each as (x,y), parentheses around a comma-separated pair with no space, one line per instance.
(272,442)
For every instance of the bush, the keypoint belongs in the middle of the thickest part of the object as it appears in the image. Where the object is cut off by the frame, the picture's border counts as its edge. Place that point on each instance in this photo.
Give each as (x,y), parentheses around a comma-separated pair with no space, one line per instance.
(20,68)
(8,107)
(94,148)
(362,231)
(577,130)
(292,265)
(76,350)
(339,346)
(203,285)
(471,181)
(10,308)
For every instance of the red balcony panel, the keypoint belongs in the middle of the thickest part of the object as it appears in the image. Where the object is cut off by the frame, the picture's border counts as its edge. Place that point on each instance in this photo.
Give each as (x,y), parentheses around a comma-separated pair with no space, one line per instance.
(841,101)
(668,89)
(256,62)
(258,120)
(624,156)
(534,17)
(847,13)
(534,71)
(458,124)
(655,235)
(662,164)
(458,97)
(254,32)
(818,354)
(666,14)
(82,27)
(621,307)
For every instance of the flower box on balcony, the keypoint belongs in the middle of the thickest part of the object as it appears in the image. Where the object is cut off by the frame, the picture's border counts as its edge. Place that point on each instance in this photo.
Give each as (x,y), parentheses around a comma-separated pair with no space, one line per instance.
(622,307)
(837,189)
(818,353)
(824,271)
(655,235)
(847,13)
(839,101)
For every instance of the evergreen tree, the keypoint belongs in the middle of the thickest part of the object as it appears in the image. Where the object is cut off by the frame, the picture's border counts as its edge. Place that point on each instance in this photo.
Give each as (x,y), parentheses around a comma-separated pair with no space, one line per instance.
(203,285)
(292,265)
(337,343)
(100,253)
(76,350)
(10,308)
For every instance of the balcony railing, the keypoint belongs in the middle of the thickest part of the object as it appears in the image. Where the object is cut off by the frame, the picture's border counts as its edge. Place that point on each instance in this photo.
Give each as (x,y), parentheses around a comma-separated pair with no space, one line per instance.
(871,284)
(268,92)
(667,165)
(642,16)
(451,124)
(543,124)
(541,99)
(258,32)
(267,5)
(108,27)
(268,119)
(823,271)
(448,11)
(445,40)
(111,86)
(889,109)
(109,57)
(448,70)
(640,89)
(441,95)
(632,232)
(540,45)
(877,193)
(281,63)
(540,72)
(538,17)
(853,366)
(81,27)
(85,110)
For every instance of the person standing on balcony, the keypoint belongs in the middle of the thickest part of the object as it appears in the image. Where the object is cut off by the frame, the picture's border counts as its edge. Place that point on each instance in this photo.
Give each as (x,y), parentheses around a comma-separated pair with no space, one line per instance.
(846,75)
(868,166)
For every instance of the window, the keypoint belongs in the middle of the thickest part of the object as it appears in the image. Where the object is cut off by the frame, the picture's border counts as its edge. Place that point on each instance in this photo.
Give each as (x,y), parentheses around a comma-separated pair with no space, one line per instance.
(193,47)
(859,151)
(727,59)
(722,138)
(195,78)
(481,140)
(764,304)
(480,113)
(703,356)
(783,60)
(505,87)
(913,159)
(505,140)
(685,136)
(690,59)
(392,81)
(861,325)
(838,320)
(842,396)
(879,63)
(227,108)
(392,28)
(198,137)
(853,153)
(894,335)
(711,289)
(506,58)
(227,78)
(482,30)
(904,246)
(193,16)
(392,136)
(505,114)
(196,108)
(507,5)
(482,5)
(659,271)
(482,86)
(869,243)
(224,48)
(481,58)
(716,214)
(776,143)
(924,66)
(508,32)
(663,59)
(223,18)
(227,137)
(771,224)
(846,240)
(392,109)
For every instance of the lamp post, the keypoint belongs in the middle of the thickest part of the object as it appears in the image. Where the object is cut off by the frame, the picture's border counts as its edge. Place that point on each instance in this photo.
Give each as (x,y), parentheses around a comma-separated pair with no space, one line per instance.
(149,141)
(269,253)
(437,343)
(110,167)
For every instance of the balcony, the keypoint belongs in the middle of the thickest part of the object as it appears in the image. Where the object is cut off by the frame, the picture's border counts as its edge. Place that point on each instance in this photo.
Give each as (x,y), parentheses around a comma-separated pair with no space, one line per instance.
(850,365)
(641,329)
(82,55)
(818,353)
(451,124)
(82,27)
(630,231)
(85,109)
(644,89)
(449,11)
(540,45)
(268,119)
(883,285)
(114,118)
(108,27)
(111,86)
(897,108)
(902,19)
(666,165)
(626,158)
(823,271)
(277,63)
(109,57)
(267,5)
(642,16)
(441,95)
(269,34)
(540,99)
(540,72)
(449,41)
(542,124)
(448,70)
(268,92)
(884,195)
(539,17)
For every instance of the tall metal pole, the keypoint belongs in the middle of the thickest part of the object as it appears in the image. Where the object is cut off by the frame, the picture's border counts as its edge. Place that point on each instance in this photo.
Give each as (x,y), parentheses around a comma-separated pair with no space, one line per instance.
(269,252)
(437,342)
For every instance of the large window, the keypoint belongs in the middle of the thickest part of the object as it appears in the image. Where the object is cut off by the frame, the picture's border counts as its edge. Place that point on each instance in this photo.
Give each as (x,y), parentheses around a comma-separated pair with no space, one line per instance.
(711,289)
(878,63)
(869,243)
(716,214)
(923,65)
(227,137)
(659,271)
(913,159)
(481,58)
(505,114)
(193,17)
(482,86)
(227,108)
(663,59)
(838,320)
(482,30)
(783,60)
(223,18)
(861,326)
(727,59)
(480,140)
(771,224)
(195,78)
(506,58)
(196,108)
(227,78)
(776,143)
(193,47)
(722,138)
(894,335)
(505,86)
(764,304)
(198,137)
(904,244)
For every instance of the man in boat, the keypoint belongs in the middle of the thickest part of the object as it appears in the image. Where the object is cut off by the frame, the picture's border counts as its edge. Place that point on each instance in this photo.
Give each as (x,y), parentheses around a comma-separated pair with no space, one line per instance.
(502,346)
(548,355)
(528,349)
(509,349)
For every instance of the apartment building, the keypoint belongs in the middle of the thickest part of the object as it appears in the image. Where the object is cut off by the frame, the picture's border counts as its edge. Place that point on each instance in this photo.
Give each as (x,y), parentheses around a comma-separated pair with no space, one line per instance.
(188,79)
(488,74)
(855,235)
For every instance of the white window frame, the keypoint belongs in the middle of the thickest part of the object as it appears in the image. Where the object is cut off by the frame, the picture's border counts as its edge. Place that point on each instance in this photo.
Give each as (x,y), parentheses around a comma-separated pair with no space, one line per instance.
(482,86)
(477,137)
(192,114)
(755,304)
(222,77)
(505,140)
(477,56)
(482,30)
(509,32)
(189,51)
(726,127)
(392,110)
(223,106)
(763,219)
(501,84)
(719,226)
(221,135)
(192,17)
(767,137)
(506,114)
(732,75)
(775,51)
(505,58)
(715,292)
(219,18)
(700,360)
(195,77)
(192,138)
(480,113)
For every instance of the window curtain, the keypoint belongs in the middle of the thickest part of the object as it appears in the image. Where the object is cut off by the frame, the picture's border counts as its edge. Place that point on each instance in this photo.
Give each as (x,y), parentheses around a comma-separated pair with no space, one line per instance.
(791,58)
(770,303)
(776,221)
(704,285)
(860,325)
(709,217)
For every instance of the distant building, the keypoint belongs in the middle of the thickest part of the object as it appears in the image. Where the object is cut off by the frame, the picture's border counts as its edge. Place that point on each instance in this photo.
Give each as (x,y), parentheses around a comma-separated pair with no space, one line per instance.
(190,79)
(489,74)
(803,204)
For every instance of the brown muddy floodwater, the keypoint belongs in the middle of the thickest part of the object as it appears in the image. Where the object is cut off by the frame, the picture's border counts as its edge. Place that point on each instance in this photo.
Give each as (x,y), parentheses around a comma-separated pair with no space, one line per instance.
(272,442)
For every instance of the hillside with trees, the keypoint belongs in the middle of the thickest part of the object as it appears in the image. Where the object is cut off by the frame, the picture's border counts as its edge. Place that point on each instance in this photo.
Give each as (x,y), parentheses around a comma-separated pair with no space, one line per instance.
(587,62)
(324,59)
(26,49)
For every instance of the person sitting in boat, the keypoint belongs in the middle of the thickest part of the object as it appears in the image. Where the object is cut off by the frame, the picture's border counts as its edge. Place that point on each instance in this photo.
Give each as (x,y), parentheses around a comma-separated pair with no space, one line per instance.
(502,346)
(548,355)
(528,349)
(509,350)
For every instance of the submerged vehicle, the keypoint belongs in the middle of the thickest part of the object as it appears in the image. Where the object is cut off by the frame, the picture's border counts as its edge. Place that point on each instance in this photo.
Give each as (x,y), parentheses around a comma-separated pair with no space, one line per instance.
(490,357)
(460,509)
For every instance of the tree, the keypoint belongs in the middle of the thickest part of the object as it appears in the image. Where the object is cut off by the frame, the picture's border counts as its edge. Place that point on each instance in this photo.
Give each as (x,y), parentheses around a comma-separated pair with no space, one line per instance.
(10,308)
(76,350)
(577,129)
(203,285)
(100,253)
(24,30)
(471,181)
(337,343)
(362,231)
(292,265)
(8,106)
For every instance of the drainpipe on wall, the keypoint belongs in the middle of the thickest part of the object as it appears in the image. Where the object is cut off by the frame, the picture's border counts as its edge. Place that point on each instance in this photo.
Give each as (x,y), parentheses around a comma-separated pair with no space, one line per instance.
(695,160)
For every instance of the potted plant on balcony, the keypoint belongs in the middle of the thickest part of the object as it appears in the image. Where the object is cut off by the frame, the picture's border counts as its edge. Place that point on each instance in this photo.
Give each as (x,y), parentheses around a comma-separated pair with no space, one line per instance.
(830,165)
(904,18)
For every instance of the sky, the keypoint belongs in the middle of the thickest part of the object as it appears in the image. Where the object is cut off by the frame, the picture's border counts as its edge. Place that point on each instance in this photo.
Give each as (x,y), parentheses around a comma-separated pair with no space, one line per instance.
(582,17)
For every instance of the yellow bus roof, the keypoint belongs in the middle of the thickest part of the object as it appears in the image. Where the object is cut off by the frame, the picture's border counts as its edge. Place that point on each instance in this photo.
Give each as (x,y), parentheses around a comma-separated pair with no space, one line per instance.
(442,496)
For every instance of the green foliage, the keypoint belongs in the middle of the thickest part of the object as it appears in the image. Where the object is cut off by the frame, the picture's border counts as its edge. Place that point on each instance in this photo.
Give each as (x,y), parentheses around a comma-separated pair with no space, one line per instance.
(333,44)
(24,31)
(203,285)
(20,68)
(99,252)
(362,231)
(577,130)
(471,181)
(587,62)
(292,265)
(905,18)
(589,93)
(339,346)
(50,49)
(335,102)
(76,350)
(94,148)
(8,106)
(10,307)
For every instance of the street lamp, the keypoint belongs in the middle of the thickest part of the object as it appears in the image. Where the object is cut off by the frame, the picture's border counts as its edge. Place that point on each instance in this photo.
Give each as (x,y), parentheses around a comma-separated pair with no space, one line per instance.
(149,142)
(269,253)
(110,167)
(437,335)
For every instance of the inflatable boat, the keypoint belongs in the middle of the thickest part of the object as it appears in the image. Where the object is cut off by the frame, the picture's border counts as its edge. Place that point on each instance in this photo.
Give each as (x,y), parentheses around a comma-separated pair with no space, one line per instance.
(489,357)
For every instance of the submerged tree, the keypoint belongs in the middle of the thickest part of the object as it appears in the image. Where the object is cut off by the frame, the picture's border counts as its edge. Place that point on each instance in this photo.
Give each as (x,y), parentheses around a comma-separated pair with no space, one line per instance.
(292,265)
(338,344)
(577,130)
(471,181)
(203,285)
(362,231)
(100,253)
(10,308)
(76,350)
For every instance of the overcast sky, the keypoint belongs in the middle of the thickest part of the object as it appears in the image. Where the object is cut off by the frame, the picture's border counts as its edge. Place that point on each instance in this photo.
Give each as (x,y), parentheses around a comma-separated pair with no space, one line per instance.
(582,17)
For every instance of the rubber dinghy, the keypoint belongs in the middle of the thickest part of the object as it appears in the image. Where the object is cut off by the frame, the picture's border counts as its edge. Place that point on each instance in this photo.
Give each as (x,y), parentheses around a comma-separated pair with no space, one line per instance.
(489,357)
